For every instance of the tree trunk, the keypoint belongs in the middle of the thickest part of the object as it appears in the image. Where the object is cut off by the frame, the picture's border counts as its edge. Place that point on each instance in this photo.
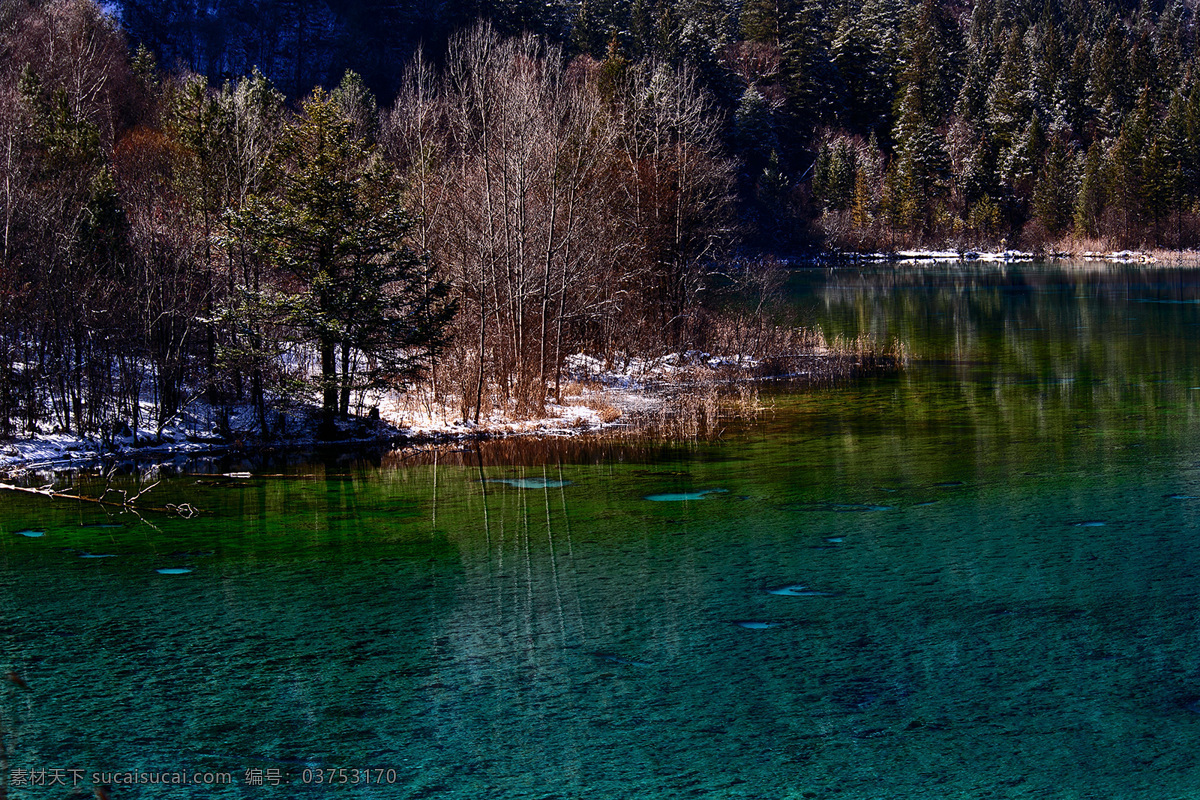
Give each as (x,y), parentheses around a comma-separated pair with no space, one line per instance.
(329,387)
(345,398)
(260,405)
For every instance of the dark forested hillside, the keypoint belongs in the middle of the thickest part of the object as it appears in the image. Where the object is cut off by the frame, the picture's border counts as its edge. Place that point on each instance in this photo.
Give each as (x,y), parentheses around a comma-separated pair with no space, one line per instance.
(186,209)
(298,44)
(865,124)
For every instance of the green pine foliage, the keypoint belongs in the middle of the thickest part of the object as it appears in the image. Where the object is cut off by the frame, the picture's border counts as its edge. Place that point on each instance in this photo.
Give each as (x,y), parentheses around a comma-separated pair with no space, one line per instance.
(754,129)
(964,99)
(214,226)
(1055,189)
(337,227)
(1093,194)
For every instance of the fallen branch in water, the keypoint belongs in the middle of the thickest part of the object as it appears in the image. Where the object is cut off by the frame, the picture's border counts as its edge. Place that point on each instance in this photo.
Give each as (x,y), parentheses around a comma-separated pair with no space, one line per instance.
(126,503)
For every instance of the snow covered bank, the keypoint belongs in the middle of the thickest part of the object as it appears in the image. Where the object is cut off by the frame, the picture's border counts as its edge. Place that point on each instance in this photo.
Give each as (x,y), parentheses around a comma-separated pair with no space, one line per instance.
(596,395)
(399,419)
(677,395)
(1006,256)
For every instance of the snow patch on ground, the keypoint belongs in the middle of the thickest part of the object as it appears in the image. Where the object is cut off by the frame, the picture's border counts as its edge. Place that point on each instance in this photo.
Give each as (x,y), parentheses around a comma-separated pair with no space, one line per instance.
(639,373)
(937,256)
(1121,257)
(925,256)
(62,451)
(596,394)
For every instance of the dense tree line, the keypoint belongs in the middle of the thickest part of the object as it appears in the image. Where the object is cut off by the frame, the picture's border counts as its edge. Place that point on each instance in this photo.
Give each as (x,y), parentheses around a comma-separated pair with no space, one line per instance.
(184,212)
(870,123)
(1032,124)
(167,237)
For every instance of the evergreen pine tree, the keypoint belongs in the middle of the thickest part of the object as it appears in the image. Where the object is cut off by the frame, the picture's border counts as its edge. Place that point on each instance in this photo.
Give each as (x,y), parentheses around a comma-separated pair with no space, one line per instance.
(338,227)
(1093,192)
(754,129)
(1056,188)
(771,199)
(919,172)
(1128,160)
(815,92)
(1107,91)
(760,21)
(1157,181)
(1170,45)
(1023,160)
(858,57)
(920,168)
(1074,93)
(1142,63)
(1178,160)
(1008,109)
(979,176)
(357,106)
(843,166)
(1191,139)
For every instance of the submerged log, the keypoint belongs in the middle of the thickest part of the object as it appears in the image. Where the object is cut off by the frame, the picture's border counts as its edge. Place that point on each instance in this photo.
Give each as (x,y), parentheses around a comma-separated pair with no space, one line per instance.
(126,503)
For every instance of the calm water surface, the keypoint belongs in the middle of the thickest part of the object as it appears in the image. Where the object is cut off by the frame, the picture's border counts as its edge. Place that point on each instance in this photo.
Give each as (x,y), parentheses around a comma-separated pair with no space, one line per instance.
(987,571)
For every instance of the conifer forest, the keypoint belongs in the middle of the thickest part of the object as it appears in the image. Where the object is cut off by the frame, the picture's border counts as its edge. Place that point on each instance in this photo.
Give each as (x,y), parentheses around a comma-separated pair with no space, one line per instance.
(254,199)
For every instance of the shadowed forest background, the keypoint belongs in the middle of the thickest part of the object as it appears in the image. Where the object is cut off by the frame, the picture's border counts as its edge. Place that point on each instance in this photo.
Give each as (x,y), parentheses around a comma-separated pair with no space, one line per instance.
(481,190)
(882,120)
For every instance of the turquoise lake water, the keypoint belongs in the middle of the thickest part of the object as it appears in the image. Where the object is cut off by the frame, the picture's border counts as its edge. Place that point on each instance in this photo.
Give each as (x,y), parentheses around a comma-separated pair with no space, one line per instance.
(979,578)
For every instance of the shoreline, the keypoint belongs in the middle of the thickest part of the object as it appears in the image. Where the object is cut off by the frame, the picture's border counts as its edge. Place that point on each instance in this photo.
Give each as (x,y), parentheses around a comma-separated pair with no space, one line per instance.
(686,404)
(918,256)
(645,398)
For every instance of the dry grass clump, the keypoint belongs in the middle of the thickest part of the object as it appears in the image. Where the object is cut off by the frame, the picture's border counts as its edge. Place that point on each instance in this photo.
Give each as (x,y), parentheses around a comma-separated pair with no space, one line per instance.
(691,395)
(1078,245)
(581,388)
(744,401)
(604,410)
(702,406)
(1176,258)
(690,414)
(812,360)
(591,395)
